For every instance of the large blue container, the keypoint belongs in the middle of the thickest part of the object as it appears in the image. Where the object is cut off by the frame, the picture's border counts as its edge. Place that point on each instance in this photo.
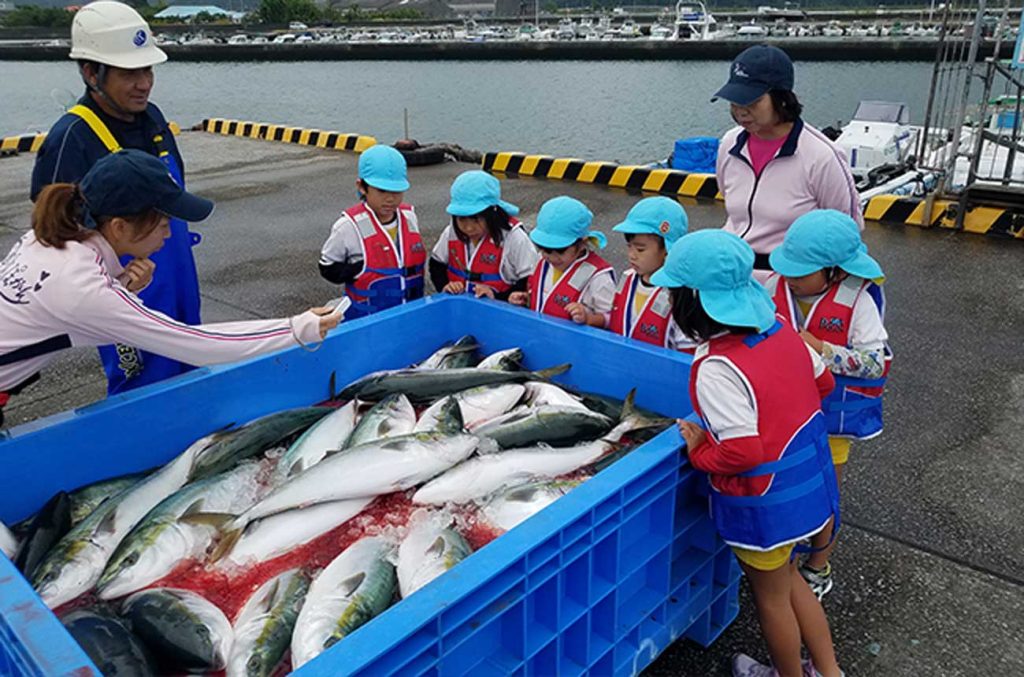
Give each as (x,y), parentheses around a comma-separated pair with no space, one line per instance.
(600,582)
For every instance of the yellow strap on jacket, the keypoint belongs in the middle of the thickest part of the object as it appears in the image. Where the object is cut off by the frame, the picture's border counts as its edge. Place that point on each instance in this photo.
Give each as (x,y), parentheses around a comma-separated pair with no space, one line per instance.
(101,131)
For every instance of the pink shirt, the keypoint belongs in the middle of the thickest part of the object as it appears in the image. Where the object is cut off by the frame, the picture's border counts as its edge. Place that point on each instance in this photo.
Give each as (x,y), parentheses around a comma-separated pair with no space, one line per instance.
(763,150)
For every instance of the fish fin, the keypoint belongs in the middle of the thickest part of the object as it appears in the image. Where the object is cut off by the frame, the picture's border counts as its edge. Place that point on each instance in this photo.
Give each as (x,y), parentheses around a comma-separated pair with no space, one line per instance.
(296,468)
(194,509)
(351,584)
(551,372)
(217,520)
(449,420)
(628,406)
(267,603)
(225,545)
(108,524)
(436,548)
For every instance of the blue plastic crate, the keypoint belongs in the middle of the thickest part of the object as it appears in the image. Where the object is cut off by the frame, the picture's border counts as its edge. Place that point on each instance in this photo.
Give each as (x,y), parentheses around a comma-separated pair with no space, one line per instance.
(600,582)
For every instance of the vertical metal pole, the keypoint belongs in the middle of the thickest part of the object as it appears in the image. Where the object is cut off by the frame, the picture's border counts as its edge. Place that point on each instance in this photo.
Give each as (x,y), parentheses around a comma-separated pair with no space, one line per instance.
(979,141)
(933,89)
(405,114)
(972,56)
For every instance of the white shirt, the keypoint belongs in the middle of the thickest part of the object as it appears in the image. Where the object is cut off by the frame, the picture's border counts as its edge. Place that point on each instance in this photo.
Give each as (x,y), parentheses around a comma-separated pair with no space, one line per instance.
(344,244)
(598,295)
(47,292)
(518,256)
(726,397)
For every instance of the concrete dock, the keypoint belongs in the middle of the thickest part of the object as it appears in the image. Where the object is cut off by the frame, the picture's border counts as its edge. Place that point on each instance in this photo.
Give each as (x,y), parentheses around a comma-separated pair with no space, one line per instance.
(930,565)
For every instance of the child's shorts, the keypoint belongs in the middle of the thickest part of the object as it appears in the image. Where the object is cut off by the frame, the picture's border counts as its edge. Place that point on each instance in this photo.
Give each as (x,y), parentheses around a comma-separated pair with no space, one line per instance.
(768,560)
(840,447)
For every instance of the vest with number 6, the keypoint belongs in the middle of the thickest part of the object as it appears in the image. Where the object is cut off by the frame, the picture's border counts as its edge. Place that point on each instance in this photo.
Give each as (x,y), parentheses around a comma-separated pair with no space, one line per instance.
(651,324)
(392,271)
(854,408)
(569,287)
(485,267)
(801,493)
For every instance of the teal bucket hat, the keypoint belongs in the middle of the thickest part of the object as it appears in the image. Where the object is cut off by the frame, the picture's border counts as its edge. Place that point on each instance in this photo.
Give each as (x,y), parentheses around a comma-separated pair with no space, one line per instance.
(563,220)
(476,191)
(821,239)
(659,216)
(384,168)
(720,267)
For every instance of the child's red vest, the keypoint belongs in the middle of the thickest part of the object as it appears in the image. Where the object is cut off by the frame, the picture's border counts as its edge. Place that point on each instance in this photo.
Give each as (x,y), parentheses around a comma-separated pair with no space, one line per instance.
(389,277)
(569,287)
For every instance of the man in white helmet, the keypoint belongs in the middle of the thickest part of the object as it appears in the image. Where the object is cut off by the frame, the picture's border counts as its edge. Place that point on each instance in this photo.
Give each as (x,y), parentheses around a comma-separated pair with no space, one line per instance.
(115,52)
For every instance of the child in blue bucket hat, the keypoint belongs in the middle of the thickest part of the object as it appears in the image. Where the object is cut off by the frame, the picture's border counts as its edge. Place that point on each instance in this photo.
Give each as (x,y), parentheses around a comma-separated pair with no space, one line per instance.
(641,310)
(571,281)
(827,287)
(375,248)
(757,388)
(485,250)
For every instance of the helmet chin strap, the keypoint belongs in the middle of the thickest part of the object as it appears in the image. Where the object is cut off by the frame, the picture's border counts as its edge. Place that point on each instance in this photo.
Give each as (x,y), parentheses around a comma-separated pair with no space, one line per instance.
(97,89)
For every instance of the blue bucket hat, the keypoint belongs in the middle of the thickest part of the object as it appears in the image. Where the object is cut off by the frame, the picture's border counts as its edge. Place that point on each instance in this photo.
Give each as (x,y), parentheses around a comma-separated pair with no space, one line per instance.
(754,72)
(720,267)
(821,239)
(384,168)
(131,182)
(659,216)
(563,220)
(475,191)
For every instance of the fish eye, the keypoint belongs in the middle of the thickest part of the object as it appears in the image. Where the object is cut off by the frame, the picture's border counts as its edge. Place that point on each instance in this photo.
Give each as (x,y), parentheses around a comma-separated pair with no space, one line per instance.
(253,664)
(131,559)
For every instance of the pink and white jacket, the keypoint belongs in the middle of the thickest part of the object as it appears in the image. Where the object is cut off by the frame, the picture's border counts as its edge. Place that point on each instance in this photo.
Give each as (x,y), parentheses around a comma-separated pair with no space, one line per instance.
(809,172)
(51,299)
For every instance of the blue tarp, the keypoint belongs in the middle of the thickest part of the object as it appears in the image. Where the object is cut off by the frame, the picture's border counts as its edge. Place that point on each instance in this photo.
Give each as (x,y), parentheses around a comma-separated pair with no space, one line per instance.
(695,154)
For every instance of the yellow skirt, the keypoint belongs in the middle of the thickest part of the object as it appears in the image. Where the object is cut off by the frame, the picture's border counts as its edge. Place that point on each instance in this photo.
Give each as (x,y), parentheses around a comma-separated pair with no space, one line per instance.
(767,560)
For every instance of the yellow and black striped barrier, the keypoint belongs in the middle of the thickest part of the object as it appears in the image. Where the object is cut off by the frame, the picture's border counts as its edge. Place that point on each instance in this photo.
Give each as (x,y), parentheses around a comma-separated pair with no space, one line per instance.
(24,143)
(285,134)
(30,143)
(913,211)
(636,178)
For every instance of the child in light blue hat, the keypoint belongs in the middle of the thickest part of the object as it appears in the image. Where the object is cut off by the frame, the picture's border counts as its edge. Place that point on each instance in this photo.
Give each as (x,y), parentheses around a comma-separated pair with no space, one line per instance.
(827,286)
(757,389)
(484,250)
(571,281)
(641,310)
(375,248)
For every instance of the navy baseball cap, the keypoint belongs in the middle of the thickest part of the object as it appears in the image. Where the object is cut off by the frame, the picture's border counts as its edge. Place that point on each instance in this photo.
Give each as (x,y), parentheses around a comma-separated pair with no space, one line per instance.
(755,71)
(131,182)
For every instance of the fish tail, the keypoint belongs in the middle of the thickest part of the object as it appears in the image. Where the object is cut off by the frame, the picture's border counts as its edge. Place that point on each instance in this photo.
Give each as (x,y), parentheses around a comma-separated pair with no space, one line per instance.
(628,406)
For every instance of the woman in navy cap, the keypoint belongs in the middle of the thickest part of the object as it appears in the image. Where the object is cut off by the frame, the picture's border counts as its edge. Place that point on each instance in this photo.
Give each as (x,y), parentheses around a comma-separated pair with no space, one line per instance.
(758,388)
(62,284)
(773,167)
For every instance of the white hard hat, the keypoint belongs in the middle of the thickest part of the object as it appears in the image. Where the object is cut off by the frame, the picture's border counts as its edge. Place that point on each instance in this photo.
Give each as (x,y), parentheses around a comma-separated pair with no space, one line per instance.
(114,34)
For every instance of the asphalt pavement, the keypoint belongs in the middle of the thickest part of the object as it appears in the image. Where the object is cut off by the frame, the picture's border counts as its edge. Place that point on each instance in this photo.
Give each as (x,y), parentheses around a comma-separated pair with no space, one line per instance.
(930,563)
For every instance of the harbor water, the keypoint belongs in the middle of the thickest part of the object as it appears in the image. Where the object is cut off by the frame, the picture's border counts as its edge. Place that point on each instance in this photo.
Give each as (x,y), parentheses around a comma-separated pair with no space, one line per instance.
(626,111)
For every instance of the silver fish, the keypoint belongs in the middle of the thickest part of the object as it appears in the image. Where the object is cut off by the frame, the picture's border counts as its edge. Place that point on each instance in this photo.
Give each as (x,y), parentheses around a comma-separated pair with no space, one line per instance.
(8,542)
(551,424)
(391,417)
(74,565)
(356,586)
(161,541)
(510,507)
(325,436)
(428,551)
(476,405)
(86,499)
(263,628)
(421,385)
(459,355)
(278,534)
(503,360)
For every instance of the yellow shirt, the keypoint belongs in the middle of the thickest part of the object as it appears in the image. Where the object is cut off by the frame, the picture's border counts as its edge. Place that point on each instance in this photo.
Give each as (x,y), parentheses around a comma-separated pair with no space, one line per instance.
(556,275)
(640,298)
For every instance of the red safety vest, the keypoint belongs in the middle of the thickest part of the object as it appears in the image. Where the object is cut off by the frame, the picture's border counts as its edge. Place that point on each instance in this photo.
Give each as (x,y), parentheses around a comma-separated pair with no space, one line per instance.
(387,280)
(854,409)
(652,324)
(569,287)
(485,266)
